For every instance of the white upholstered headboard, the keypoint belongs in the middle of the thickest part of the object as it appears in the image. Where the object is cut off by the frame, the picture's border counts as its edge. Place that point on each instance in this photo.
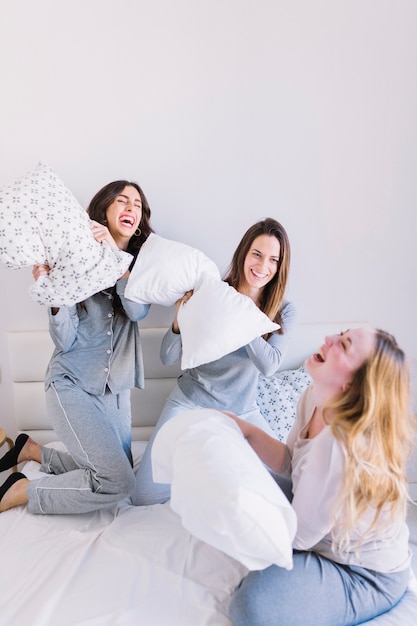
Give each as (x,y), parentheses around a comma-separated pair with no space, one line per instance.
(30,351)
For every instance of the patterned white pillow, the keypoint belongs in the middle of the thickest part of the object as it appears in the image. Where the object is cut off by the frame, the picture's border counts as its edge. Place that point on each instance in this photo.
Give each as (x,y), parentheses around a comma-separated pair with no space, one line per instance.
(278,396)
(42,222)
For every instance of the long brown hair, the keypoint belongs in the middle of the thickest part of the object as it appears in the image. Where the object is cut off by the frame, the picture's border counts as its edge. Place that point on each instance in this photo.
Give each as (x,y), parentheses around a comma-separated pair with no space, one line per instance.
(98,206)
(273,293)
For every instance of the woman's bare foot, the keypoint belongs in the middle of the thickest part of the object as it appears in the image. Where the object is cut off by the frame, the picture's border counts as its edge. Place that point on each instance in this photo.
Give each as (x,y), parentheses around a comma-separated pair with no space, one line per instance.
(15,495)
(31,451)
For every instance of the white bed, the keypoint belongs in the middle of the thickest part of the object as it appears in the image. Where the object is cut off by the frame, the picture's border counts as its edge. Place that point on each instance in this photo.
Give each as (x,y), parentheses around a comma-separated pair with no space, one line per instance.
(124,565)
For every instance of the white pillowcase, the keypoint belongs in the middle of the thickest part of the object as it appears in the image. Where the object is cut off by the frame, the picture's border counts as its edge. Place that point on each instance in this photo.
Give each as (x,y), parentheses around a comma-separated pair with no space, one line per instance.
(42,222)
(278,396)
(221,490)
(165,269)
(217,320)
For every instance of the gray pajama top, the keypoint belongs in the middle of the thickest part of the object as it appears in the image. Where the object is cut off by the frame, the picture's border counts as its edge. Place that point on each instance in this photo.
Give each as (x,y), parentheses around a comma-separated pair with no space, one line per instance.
(96,348)
(230,383)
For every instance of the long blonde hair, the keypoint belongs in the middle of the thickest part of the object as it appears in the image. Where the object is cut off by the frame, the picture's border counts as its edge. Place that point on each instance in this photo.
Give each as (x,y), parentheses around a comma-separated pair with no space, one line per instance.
(372,423)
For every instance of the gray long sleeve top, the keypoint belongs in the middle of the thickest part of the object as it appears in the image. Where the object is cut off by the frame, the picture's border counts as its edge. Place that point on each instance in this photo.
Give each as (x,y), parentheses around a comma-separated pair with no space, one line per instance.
(230,383)
(95,347)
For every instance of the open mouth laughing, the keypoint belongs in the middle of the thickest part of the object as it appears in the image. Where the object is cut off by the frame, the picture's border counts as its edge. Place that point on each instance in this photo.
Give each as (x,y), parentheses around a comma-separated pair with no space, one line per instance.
(319,357)
(127,220)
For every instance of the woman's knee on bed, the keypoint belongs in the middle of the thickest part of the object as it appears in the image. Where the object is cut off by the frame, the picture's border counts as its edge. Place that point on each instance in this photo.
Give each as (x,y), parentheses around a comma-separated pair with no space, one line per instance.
(117,481)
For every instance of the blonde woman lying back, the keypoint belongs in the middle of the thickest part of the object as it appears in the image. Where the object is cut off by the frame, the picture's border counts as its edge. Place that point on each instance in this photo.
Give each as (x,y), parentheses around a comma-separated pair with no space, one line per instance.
(346,456)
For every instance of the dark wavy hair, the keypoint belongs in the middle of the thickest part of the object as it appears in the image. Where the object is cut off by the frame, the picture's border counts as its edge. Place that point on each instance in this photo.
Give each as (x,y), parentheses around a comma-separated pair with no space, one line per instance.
(273,293)
(97,210)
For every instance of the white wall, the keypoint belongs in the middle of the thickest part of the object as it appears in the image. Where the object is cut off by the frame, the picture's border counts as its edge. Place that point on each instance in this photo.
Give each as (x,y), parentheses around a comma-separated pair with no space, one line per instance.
(226,111)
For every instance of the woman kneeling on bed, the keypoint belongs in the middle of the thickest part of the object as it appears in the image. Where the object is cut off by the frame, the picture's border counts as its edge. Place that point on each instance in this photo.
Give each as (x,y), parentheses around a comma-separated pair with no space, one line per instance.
(96,361)
(346,455)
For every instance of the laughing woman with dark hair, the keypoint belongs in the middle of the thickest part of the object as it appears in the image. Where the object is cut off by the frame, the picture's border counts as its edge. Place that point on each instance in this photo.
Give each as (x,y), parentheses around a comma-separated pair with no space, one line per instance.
(115,192)
(96,361)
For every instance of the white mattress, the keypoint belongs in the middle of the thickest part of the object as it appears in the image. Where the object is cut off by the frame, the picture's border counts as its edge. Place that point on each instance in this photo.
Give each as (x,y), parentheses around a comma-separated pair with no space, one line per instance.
(125,565)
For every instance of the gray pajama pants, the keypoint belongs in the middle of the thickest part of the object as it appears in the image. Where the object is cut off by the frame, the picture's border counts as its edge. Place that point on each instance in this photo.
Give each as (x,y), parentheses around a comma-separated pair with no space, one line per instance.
(97,471)
(315,591)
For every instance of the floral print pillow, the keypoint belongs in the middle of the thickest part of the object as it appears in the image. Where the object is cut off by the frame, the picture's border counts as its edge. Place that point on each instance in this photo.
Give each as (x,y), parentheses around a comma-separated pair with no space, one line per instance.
(278,396)
(42,222)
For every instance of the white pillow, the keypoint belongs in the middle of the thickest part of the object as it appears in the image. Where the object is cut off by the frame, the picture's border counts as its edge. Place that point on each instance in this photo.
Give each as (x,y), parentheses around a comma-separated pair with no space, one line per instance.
(217,320)
(278,396)
(165,269)
(221,490)
(42,222)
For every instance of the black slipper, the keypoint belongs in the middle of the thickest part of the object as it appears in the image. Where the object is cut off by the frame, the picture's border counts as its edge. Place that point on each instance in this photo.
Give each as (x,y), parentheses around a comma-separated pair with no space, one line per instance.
(9,460)
(13,478)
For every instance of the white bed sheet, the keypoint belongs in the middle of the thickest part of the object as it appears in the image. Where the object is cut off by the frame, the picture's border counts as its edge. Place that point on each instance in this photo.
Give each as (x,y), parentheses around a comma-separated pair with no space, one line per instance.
(124,565)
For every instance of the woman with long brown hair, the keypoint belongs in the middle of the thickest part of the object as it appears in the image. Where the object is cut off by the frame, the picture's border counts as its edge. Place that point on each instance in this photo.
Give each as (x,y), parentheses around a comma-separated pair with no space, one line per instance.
(259,270)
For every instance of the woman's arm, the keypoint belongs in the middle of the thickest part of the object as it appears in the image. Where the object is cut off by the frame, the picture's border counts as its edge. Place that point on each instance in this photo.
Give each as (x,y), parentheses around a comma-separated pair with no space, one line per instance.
(63,326)
(268,355)
(171,346)
(272,452)
(134,310)
(63,321)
